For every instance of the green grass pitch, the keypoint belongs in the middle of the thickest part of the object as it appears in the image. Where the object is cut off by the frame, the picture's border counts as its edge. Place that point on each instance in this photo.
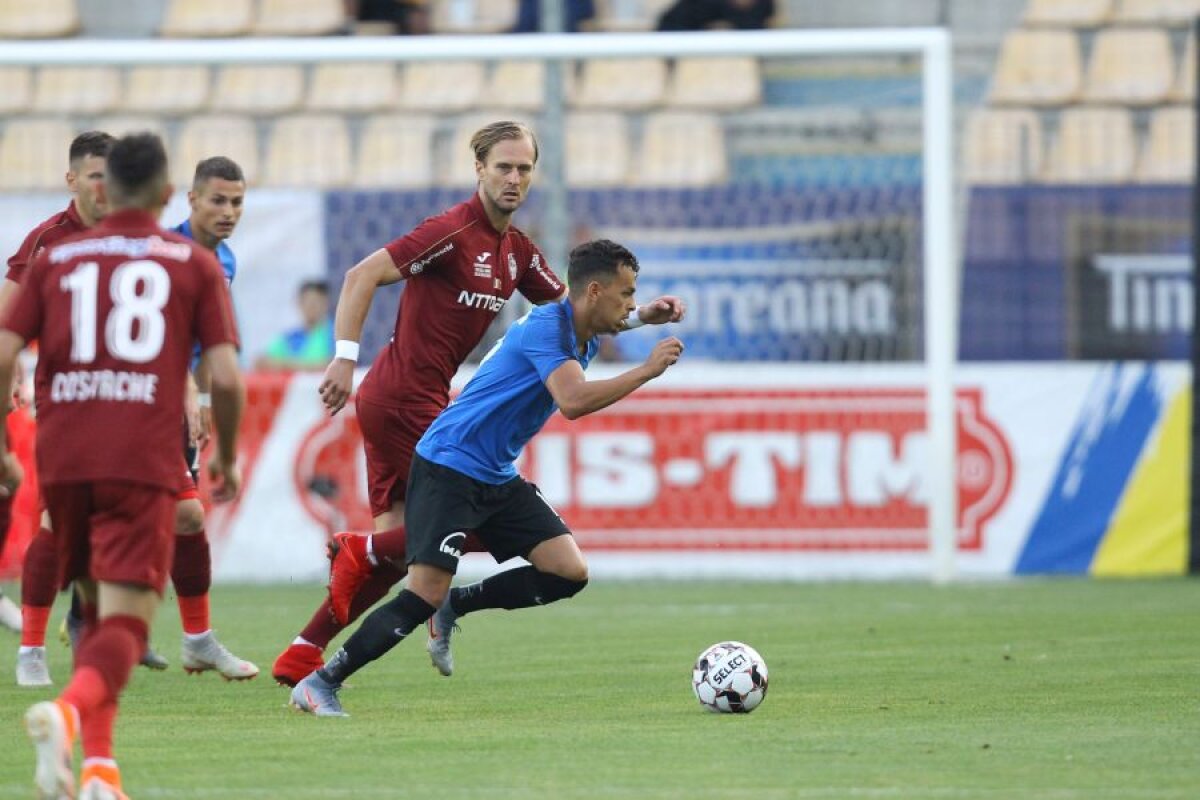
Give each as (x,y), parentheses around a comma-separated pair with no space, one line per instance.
(1052,689)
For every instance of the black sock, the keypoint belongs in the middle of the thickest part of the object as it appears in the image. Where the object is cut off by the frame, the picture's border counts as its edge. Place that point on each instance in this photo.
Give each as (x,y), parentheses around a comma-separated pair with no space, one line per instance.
(516,588)
(383,629)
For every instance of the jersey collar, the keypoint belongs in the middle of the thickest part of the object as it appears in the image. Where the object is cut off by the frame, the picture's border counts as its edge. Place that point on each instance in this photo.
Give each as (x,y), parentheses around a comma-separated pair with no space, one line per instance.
(476,206)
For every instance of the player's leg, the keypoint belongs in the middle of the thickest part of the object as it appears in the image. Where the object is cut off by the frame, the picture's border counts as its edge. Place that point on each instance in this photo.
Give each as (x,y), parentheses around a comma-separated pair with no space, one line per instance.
(191,574)
(39,586)
(10,613)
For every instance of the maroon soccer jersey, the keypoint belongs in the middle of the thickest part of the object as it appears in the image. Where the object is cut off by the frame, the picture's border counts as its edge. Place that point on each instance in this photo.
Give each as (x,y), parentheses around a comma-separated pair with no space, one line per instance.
(460,273)
(116,311)
(48,232)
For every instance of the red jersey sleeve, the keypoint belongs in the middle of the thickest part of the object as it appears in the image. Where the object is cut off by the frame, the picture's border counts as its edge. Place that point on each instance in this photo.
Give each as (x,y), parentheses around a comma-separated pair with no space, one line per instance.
(214,313)
(25,313)
(539,284)
(426,247)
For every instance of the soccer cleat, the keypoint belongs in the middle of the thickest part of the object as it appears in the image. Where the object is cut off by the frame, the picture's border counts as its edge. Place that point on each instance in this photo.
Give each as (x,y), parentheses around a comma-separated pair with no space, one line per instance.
(101,781)
(32,669)
(152,659)
(441,626)
(52,727)
(10,614)
(100,789)
(349,569)
(314,695)
(297,661)
(206,653)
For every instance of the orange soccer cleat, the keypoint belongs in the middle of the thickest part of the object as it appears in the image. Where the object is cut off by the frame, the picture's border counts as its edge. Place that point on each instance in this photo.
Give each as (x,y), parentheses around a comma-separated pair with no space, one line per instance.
(349,569)
(296,663)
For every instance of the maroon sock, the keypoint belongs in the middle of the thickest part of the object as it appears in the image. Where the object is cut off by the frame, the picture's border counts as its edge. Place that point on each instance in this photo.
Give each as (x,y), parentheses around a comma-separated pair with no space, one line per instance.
(113,649)
(388,547)
(39,573)
(321,629)
(375,587)
(191,567)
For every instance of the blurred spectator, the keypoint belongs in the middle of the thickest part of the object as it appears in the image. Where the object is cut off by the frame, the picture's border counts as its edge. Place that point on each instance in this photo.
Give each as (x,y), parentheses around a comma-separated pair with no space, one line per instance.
(575,12)
(408,16)
(700,15)
(311,345)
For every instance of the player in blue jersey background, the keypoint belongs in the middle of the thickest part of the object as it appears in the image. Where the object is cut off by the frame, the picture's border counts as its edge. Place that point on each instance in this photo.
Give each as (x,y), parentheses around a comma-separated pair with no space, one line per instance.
(464,478)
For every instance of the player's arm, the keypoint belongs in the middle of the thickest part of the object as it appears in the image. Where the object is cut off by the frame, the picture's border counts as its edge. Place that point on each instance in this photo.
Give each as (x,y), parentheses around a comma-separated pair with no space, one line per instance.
(7,289)
(576,396)
(11,345)
(377,269)
(228,399)
(659,311)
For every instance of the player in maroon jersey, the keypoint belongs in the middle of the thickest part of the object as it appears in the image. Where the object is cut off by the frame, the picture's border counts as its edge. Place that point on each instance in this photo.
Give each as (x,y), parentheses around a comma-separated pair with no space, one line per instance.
(462,266)
(115,311)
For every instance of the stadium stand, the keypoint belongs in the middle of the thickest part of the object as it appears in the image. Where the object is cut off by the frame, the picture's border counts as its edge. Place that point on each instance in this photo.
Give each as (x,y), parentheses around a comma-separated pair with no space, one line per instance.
(76,90)
(201,136)
(170,90)
(16,89)
(598,149)
(715,83)
(299,17)
(520,84)
(1184,88)
(43,19)
(442,86)
(627,83)
(1129,67)
(1094,145)
(352,88)
(259,89)
(628,15)
(1075,13)
(202,18)
(1168,12)
(1003,146)
(309,150)
(681,149)
(394,152)
(31,153)
(1038,68)
(473,16)
(121,124)
(1169,153)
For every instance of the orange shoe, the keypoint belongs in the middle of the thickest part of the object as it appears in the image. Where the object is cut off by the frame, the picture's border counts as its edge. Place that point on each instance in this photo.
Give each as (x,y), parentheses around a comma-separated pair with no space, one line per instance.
(296,663)
(349,569)
(101,781)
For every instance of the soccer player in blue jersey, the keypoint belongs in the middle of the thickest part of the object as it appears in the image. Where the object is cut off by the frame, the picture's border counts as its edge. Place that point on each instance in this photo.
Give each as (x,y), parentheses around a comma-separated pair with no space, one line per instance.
(463,476)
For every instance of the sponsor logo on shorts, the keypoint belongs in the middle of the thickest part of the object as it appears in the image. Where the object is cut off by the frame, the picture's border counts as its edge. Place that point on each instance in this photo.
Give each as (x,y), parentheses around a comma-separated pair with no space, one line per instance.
(451,547)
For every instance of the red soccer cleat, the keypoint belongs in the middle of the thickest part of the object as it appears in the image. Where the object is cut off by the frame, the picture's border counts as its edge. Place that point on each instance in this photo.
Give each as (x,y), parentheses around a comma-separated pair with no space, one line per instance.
(348,571)
(296,663)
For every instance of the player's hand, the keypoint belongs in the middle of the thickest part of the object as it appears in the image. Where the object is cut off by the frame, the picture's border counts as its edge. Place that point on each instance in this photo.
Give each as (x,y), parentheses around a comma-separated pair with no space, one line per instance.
(11,474)
(191,413)
(664,354)
(336,385)
(662,310)
(226,478)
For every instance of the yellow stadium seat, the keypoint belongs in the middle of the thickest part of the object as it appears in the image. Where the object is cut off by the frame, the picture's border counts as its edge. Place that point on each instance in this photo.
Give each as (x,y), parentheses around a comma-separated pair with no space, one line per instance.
(167,89)
(357,87)
(76,90)
(715,83)
(681,149)
(621,83)
(1038,68)
(299,17)
(309,150)
(33,154)
(1079,13)
(1003,146)
(521,84)
(442,85)
(629,15)
(16,89)
(259,89)
(1184,88)
(455,162)
(226,135)
(1170,12)
(1169,155)
(598,150)
(39,19)
(1129,66)
(473,16)
(1094,145)
(204,18)
(395,152)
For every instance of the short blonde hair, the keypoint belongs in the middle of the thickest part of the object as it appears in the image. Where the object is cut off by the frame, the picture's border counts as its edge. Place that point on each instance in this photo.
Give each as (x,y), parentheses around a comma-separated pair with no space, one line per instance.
(489,135)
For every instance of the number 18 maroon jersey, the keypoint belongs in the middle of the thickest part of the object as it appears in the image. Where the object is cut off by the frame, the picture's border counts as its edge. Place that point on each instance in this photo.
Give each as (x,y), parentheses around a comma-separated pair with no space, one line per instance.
(115,311)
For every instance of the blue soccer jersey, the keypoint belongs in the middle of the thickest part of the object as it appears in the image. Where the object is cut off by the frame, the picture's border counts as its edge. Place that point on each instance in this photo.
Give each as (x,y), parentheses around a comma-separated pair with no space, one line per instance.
(481,433)
(223,252)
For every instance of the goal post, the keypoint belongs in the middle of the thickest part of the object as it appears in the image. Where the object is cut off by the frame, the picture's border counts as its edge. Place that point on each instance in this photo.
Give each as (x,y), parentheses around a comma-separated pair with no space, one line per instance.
(932,47)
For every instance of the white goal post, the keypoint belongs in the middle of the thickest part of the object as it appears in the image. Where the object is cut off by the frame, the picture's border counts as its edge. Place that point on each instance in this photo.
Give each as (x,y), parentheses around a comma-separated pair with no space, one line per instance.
(940,278)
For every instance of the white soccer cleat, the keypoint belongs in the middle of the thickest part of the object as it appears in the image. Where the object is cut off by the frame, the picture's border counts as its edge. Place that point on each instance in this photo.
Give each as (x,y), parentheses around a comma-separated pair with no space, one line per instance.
(442,626)
(53,737)
(32,670)
(10,615)
(206,653)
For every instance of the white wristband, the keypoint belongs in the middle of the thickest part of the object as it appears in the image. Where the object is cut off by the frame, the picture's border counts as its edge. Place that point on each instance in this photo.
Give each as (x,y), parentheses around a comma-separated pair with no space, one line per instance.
(633,321)
(344,348)
(204,400)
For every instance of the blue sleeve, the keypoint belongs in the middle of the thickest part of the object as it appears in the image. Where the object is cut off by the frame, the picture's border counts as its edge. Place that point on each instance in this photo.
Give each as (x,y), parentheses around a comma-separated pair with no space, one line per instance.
(543,343)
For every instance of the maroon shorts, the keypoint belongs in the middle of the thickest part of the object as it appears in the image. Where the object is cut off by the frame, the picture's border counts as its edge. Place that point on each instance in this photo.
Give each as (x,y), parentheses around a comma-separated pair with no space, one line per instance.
(389,437)
(113,531)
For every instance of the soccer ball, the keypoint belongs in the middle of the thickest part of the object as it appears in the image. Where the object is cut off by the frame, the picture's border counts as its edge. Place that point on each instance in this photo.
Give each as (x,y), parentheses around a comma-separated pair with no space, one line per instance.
(730,678)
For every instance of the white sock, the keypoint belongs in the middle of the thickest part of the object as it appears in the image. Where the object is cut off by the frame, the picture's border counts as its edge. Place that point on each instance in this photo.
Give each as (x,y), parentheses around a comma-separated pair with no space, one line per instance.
(25,649)
(371,551)
(302,640)
(197,637)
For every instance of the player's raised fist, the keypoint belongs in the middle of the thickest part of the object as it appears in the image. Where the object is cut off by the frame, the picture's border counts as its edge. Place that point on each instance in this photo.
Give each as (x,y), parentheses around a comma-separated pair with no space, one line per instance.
(336,385)
(664,354)
(662,310)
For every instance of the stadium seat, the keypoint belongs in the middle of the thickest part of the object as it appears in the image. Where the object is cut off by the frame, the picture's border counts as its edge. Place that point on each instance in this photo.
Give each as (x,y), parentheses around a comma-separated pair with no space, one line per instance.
(76,90)
(598,150)
(216,135)
(33,154)
(1038,68)
(16,89)
(204,18)
(715,83)
(522,84)
(299,17)
(629,15)
(1170,12)
(1077,13)
(357,87)
(1094,145)
(1003,146)
(166,89)
(1184,89)
(1169,155)
(43,19)
(122,124)
(309,150)
(681,149)
(621,83)
(473,16)
(269,89)
(442,85)
(1131,67)
(395,152)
